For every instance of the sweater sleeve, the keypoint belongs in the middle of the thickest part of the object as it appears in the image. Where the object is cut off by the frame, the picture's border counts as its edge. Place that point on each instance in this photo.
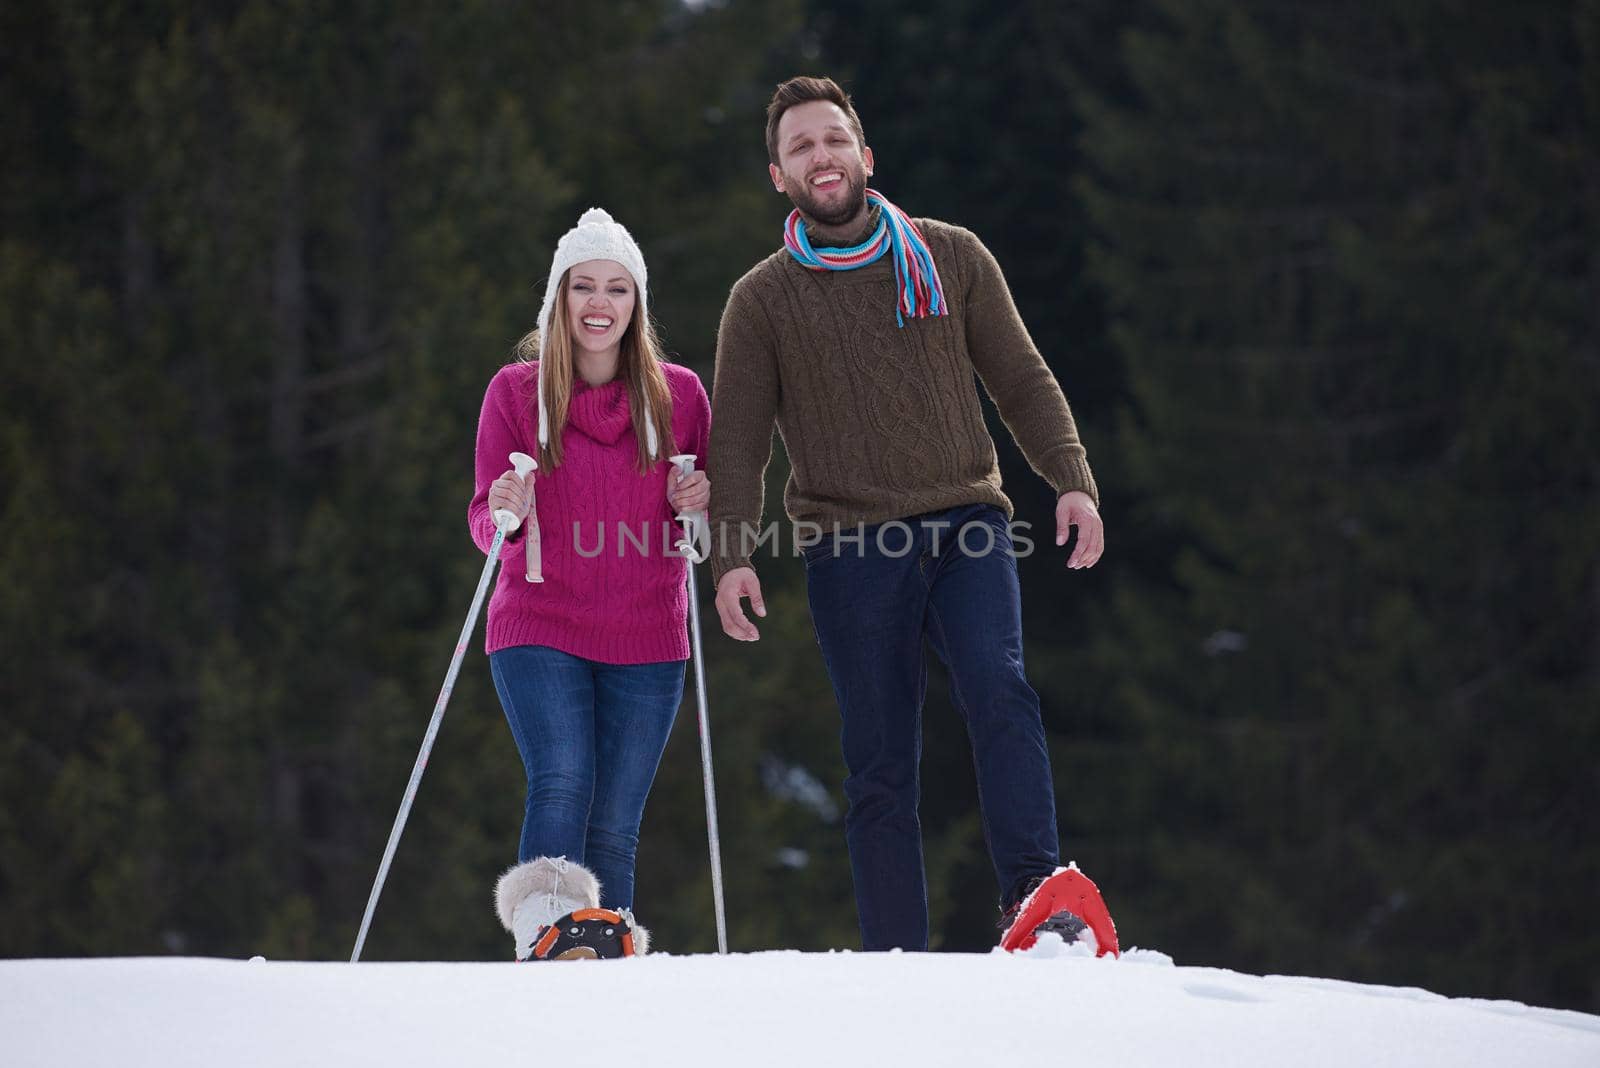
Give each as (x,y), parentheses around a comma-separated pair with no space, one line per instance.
(744,404)
(691,413)
(1027,395)
(498,438)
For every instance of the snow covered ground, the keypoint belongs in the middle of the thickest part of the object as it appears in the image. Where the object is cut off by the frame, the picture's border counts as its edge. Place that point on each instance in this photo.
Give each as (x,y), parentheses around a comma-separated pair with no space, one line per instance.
(1053,1006)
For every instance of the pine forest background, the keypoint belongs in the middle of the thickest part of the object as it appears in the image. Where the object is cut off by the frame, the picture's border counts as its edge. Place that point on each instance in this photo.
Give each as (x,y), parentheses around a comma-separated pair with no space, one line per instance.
(1320,280)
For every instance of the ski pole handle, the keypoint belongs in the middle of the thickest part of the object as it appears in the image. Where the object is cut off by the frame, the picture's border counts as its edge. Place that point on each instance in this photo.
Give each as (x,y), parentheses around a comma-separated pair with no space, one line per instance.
(696,545)
(531,542)
(505,521)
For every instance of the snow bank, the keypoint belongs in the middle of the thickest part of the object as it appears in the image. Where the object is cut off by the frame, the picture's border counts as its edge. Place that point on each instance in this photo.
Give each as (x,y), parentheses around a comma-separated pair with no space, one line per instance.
(1056,1005)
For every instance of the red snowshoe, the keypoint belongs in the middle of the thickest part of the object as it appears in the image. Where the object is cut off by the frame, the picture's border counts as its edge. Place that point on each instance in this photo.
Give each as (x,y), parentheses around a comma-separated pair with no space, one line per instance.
(1065,903)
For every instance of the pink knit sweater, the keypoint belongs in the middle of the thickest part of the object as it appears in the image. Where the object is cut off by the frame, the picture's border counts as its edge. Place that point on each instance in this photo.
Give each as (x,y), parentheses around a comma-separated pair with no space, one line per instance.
(620,604)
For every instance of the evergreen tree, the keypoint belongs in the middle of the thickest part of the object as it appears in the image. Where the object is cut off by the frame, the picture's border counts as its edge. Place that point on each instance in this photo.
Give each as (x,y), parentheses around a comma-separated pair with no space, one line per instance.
(1347,253)
(261,261)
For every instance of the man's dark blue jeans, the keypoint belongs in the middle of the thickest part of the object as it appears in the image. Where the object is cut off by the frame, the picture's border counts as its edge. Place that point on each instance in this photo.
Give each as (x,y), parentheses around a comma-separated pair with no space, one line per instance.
(951,578)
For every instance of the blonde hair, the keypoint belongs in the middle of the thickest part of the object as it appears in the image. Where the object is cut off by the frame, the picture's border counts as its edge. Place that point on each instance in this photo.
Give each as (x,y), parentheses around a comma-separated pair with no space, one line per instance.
(638,365)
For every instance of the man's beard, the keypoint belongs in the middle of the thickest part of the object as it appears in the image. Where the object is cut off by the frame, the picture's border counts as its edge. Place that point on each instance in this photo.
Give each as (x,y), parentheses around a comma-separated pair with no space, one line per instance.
(855,180)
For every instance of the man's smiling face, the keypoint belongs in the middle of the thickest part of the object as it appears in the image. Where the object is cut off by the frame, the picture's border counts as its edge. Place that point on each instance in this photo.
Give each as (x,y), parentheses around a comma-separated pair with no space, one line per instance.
(822,166)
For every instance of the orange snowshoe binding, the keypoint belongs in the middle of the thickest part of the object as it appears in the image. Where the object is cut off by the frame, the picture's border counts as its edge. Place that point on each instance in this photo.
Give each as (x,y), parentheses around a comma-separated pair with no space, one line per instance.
(588,934)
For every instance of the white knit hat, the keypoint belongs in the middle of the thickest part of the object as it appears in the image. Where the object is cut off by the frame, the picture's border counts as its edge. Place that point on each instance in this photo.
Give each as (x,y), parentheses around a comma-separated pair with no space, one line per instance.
(596,237)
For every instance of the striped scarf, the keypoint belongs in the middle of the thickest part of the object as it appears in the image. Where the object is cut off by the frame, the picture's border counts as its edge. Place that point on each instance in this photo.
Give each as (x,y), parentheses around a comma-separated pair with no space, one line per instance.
(916,278)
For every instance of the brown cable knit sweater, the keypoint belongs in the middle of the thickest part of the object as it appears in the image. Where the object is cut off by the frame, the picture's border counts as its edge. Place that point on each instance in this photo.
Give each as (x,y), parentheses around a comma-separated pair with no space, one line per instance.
(880,422)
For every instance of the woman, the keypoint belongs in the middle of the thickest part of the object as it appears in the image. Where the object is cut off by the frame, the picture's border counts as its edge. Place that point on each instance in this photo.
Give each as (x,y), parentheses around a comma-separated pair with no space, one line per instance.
(587,641)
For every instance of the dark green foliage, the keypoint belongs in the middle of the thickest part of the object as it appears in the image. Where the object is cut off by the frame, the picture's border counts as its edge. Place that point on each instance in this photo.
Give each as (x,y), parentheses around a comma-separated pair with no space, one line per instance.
(1318,280)
(259,262)
(1348,260)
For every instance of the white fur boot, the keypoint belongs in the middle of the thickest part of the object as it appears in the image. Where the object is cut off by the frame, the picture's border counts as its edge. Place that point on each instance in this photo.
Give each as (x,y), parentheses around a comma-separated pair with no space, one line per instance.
(534,895)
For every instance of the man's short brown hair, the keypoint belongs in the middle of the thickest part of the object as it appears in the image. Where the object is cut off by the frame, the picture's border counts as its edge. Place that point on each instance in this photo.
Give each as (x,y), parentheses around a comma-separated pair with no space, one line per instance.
(803,90)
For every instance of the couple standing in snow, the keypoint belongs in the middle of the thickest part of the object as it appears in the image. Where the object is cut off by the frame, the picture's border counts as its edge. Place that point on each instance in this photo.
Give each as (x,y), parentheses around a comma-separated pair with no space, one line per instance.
(858,339)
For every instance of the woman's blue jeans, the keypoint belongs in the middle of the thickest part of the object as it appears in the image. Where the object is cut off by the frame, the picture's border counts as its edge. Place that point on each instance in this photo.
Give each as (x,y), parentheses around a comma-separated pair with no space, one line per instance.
(874,600)
(591,737)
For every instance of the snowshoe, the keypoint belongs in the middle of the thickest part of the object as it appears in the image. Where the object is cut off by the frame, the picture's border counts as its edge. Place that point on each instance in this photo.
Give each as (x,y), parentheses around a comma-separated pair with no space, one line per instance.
(551,906)
(588,934)
(1068,904)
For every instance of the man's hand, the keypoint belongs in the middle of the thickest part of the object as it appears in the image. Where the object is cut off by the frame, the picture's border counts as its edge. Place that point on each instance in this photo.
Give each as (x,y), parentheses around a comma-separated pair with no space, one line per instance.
(738,583)
(1075,509)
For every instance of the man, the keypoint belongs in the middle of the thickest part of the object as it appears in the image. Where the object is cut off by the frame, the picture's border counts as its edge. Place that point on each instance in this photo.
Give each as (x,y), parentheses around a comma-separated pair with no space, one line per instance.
(860,339)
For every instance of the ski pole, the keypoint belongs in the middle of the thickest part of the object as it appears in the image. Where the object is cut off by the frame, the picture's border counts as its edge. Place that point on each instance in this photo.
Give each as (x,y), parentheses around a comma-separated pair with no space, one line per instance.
(504,523)
(695,523)
(533,549)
